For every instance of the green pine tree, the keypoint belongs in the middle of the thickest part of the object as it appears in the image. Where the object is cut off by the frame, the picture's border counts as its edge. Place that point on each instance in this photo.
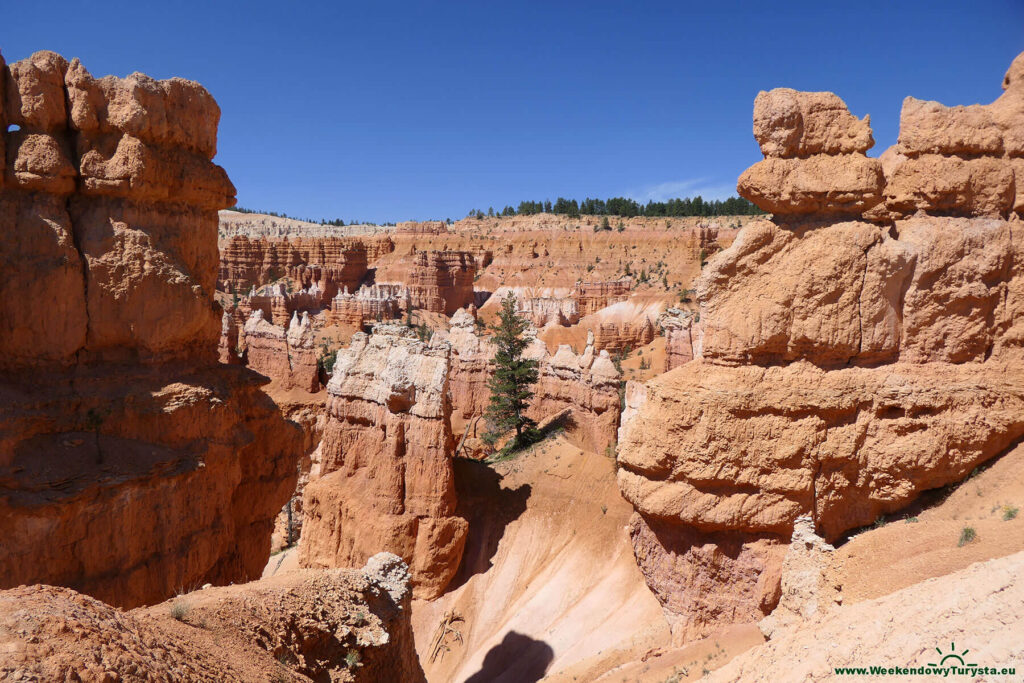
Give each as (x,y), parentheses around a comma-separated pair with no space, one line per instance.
(512,381)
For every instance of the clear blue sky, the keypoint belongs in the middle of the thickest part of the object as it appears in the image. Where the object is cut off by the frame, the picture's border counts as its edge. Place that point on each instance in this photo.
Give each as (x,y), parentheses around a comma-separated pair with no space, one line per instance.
(415,110)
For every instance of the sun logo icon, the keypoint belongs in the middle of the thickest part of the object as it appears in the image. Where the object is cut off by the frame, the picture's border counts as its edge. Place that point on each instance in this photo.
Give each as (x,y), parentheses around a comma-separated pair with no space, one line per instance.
(952,654)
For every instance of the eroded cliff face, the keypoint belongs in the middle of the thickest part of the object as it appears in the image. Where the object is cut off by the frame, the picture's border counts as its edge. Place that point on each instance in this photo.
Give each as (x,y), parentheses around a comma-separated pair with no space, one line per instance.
(584,387)
(332,263)
(436,281)
(385,480)
(286,355)
(132,463)
(862,347)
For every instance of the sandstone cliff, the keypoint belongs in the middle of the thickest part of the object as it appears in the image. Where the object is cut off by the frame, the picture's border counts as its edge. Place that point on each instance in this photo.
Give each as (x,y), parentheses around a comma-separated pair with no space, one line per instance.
(436,281)
(333,263)
(287,355)
(847,365)
(584,386)
(385,480)
(132,464)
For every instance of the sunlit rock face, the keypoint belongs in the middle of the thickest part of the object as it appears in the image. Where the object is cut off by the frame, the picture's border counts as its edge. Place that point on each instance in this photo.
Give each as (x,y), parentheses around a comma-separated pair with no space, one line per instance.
(386,479)
(133,463)
(863,346)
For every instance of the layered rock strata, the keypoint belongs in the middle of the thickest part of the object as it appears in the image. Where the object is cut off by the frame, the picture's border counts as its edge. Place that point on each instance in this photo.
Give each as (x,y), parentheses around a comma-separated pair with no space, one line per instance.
(332,263)
(386,480)
(846,366)
(593,296)
(279,304)
(133,464)
(544,311)
(585,385)
(374,303)
(437,281)
(617,337)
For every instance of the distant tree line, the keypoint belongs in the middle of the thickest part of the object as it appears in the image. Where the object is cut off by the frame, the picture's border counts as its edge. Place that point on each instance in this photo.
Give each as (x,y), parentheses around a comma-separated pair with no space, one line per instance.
(322,221)
(624,206)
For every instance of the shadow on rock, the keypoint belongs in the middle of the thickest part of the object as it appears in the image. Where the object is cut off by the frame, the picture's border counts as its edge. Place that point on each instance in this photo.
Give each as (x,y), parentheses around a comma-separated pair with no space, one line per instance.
(488,508)
(516,659)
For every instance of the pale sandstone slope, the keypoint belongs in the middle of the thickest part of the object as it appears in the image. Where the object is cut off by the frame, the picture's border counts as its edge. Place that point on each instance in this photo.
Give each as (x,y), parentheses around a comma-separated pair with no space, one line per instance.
(977,608)
(548,586)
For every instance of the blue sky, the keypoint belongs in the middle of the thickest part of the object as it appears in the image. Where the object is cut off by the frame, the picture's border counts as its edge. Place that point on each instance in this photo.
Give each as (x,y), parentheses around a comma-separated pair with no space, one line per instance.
(414,110)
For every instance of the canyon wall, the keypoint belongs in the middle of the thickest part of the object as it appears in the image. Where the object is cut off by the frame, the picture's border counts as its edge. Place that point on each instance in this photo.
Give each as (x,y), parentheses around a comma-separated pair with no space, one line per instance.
(436,281)
(684,337)
(863,346)
(373,303)
(593,296)
(333,263)
(385,480)
(133,464)
(585,385)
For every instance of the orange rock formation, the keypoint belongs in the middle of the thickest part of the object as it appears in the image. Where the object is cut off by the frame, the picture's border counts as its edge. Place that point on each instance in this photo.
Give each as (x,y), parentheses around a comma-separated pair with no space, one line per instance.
(847,365)
(436,281)
(133,463)
(297,626)
(586,386)
(333,263)
(385,480)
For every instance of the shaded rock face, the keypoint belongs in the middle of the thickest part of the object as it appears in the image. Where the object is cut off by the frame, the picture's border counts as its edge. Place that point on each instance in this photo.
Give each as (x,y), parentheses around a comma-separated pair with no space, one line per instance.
(437,281)
(846,365)
(133,464)
(299,626)
(386,479)
(585,385)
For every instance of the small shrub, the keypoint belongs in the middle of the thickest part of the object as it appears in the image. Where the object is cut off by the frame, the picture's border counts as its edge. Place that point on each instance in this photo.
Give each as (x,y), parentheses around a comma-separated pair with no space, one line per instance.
(353,659)
(604,509)
(880,522)
(911,520)
(1009,512)
(325,363)
(967,535)
(180,610)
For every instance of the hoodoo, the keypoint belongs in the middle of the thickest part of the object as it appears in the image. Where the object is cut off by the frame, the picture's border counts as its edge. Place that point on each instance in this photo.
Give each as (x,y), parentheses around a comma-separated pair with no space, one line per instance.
(651,440)
(386,480)
(132,463)
(861,347)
